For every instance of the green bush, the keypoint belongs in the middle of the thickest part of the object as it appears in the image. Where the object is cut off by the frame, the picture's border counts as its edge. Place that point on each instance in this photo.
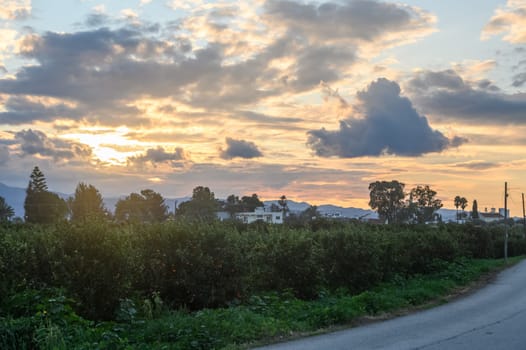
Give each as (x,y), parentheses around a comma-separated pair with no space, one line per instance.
(351,258)
(190,265)
(195,266)
(93,262)
(283,259)
(24,258)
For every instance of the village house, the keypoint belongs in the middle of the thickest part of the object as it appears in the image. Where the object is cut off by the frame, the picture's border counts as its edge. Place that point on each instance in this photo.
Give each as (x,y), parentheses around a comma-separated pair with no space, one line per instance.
(492,215)
(260,214)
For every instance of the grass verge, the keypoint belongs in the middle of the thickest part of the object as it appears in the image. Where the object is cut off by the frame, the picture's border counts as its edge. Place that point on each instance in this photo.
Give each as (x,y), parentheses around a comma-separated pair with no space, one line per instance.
(262,319)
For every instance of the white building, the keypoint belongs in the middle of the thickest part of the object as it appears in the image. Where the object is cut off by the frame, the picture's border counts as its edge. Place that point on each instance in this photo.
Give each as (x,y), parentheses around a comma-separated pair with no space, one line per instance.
(271,217)
(492,215)
(222,215)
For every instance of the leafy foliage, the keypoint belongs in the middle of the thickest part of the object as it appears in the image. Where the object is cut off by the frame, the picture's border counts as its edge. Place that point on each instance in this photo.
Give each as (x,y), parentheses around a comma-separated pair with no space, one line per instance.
(148,206)
(250,203)
(38,180)
(423,197)
(87,203)
(196,265)
(201,208)
(282,202)
(190,265)
(46,319)
(309,218)
(387,198)
(232,205)
(461,202)
(40,205)
(155,206)
(6,211)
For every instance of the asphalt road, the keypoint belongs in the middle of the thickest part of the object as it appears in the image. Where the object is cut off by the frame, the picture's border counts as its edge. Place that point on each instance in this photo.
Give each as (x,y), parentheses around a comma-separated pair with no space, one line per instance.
(492,318)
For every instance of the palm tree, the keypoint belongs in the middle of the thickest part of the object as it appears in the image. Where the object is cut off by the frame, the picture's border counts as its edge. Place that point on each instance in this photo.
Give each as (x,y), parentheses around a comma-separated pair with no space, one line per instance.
(463,204)
(458,202)
(6,211)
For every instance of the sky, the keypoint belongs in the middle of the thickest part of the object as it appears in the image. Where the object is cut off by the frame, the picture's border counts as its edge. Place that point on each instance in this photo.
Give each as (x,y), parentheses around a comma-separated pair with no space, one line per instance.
(310,99)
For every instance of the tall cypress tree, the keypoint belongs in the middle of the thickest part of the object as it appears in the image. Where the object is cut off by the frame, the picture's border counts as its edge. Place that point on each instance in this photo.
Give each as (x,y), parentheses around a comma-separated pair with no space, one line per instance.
(33,203)
(475,210)
(40,205)
(38,180)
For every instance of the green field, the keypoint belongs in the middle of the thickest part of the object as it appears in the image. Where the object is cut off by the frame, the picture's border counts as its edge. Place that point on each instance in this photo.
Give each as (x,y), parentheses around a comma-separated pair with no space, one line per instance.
(196,286)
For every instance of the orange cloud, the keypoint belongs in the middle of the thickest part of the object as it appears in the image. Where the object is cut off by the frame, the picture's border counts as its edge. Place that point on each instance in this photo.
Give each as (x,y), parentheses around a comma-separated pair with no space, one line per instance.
(509,20)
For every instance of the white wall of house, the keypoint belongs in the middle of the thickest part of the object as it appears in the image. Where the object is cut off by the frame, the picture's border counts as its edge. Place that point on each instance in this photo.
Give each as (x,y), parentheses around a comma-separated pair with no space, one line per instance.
(223,215)
(270,217)
(490,217)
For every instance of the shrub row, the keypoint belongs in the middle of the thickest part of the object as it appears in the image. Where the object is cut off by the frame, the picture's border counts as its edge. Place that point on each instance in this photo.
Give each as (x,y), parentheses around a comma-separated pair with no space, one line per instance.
(198,266)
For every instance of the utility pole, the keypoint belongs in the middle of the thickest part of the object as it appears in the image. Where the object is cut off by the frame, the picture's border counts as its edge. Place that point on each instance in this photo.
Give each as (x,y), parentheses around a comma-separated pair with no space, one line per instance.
(506,222)
(523,217)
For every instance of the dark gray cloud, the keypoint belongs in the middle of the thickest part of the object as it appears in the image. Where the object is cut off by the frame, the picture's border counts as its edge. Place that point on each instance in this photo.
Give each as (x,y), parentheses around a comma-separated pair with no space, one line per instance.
(519,79)
(240,149)
(446,95)
(264,118)
(321,64)
(100,67)
(478,165)
(324,38)
(494,138)
(4,154)
(447,79)
(159,155)
(21,110)
(486,84)
(102,70)
(97,19)
(7,142)
(35,142)
(359,19)
(389,125)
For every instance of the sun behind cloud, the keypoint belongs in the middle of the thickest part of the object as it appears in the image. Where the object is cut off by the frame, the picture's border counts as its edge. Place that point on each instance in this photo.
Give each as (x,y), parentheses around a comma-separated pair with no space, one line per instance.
(110,147)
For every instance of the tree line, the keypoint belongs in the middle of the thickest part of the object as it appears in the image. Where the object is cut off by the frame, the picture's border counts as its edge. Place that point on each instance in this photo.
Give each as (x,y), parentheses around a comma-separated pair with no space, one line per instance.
(42,206)
(388,198)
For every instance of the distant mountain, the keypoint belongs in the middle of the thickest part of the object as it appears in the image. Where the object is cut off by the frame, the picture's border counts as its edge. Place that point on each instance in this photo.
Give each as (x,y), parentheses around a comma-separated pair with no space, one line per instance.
(14,197)
(110,202)
(329,210)
(350,212)
(295,207)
